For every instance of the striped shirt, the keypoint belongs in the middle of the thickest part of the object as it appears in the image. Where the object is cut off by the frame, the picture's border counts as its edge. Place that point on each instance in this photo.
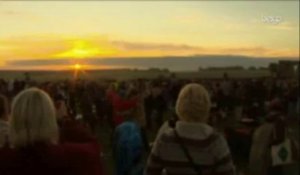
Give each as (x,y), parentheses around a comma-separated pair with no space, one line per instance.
(207,148)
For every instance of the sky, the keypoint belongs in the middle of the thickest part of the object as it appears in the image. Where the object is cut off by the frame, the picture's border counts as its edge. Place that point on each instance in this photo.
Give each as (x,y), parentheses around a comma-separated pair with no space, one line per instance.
(76,31)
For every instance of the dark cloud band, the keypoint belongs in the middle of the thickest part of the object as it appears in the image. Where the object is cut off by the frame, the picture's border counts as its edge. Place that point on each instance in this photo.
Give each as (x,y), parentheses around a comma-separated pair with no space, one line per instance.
(172,63)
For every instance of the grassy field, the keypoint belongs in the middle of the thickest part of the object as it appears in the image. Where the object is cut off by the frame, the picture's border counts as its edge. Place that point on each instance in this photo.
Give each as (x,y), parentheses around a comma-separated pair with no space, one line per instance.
(131,74)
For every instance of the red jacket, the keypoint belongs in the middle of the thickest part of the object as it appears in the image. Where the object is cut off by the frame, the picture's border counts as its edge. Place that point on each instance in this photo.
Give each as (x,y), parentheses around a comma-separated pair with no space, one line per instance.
(63,159)
(120,105)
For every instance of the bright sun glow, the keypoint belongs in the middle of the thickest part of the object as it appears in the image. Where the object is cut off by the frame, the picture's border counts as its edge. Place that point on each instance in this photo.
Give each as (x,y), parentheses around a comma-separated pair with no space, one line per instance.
(77,66)
(84,49)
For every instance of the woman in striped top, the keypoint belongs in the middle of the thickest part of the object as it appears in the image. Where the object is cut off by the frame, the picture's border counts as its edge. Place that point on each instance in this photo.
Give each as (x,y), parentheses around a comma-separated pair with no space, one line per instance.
(207,148)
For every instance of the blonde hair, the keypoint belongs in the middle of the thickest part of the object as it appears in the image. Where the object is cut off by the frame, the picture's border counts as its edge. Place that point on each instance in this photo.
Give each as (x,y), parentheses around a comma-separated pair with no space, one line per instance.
(33,119)
(193,103)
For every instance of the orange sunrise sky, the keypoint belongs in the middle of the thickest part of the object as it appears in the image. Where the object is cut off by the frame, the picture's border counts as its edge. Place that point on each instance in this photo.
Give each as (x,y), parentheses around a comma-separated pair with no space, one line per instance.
(81,30)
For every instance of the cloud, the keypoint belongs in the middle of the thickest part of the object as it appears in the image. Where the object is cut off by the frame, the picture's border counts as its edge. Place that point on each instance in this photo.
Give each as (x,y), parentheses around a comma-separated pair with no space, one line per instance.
(166,49)
(2,63)
(58,47)
(257,51)
(286,25)
(43,62)
(187,18)
(18,15)
(172,63)
(10,13)
(247,49)
(31,47)
(153,46)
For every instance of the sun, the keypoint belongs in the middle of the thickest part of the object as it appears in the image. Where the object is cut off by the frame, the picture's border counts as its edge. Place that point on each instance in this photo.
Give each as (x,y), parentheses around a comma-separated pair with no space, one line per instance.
(83,49)
(77,66)
(78,70)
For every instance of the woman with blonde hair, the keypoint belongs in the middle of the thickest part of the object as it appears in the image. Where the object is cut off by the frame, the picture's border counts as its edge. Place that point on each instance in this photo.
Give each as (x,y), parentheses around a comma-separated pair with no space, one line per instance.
(190,146)
(35,147)
(33,119)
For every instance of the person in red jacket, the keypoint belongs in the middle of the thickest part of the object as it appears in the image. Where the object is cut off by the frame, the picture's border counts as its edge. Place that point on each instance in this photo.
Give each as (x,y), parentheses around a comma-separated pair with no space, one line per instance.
(34,147)
(121,104)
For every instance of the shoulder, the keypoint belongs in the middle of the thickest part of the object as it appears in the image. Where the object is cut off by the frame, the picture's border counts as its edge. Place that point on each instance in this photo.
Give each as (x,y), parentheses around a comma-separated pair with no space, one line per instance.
(85,158)
(80,158)
(74,131)
(164,128)
(72,158)
(190,136)
(219,144)
(263,131)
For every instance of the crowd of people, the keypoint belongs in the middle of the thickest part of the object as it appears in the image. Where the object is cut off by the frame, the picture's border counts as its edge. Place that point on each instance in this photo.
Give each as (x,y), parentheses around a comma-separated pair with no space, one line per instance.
(50,127)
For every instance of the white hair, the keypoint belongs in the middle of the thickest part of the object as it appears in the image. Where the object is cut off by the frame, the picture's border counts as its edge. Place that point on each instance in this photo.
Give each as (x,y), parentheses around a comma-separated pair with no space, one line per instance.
(33,119)
(193,103)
